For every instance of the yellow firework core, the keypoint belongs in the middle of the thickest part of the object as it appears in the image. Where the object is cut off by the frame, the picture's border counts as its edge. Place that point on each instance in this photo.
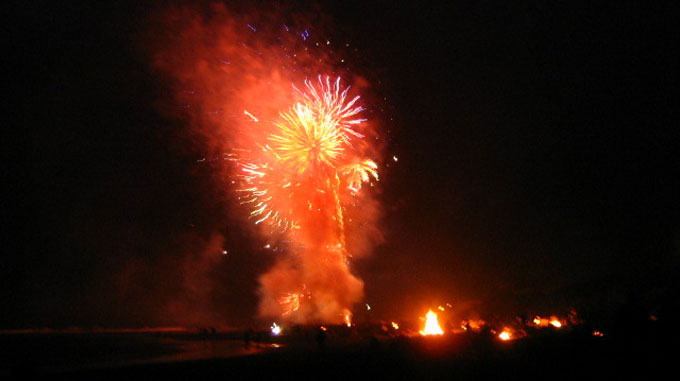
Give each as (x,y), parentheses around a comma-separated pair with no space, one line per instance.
(314,133)
(308,152)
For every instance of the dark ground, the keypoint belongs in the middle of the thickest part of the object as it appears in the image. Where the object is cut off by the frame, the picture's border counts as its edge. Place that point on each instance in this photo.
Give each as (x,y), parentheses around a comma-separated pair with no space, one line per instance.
(575,354)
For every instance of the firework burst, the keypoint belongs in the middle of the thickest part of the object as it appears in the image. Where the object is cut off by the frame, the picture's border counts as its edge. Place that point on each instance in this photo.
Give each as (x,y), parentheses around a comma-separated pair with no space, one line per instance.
(314,133)
(297,177)
(300,153)
(308,153)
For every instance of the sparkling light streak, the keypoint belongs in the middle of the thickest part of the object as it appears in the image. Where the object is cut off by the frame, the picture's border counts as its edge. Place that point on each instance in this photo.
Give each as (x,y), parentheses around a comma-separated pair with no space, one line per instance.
(291,301)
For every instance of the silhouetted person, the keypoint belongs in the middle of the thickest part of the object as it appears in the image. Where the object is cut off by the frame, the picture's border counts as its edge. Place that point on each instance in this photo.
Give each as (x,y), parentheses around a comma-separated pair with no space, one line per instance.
(632,321)
(631,334)
(374,346)
(468,329)
(246,338)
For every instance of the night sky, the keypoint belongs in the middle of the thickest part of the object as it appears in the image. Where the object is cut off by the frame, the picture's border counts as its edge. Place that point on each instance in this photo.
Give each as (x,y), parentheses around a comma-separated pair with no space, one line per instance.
(537,166)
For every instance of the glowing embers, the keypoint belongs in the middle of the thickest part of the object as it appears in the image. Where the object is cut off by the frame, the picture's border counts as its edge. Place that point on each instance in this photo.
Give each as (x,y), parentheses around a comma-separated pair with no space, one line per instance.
(553,321)
(505,335)
(431,325)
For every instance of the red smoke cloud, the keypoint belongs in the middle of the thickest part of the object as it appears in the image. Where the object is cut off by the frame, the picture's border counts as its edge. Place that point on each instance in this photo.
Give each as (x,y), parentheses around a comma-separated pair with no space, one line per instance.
(233,75)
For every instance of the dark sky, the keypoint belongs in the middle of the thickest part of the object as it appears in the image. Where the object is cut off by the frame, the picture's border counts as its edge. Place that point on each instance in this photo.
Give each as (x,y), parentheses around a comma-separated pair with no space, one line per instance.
(537,165)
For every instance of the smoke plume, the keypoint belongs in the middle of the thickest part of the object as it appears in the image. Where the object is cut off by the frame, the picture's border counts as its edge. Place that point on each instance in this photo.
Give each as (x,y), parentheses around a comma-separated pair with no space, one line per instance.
(234,73)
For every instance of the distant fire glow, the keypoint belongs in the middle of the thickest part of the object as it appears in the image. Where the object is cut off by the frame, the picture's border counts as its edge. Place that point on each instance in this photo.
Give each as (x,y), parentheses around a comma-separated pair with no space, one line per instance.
(431,325)
(544,322)
(505,335)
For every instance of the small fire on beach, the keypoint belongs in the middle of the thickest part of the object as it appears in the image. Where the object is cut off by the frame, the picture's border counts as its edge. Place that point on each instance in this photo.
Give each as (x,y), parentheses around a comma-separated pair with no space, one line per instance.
(431,325)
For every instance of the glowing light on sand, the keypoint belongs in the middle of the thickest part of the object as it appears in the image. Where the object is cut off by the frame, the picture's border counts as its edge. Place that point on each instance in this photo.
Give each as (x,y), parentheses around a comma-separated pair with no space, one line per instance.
(276,330)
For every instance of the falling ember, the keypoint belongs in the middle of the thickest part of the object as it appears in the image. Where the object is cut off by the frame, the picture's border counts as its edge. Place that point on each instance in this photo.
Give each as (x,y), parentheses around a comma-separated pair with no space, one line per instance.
(395,325)
(555,323)
(505,335)
(431,325)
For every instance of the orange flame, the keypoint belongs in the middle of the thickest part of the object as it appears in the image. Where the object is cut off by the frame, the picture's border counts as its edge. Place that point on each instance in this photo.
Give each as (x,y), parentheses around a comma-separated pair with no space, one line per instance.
(553,321)
(431,325)
(348,318)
